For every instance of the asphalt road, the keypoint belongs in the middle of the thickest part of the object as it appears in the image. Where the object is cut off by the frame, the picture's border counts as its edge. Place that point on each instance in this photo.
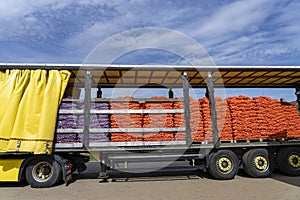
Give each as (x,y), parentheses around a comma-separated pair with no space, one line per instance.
(168,185)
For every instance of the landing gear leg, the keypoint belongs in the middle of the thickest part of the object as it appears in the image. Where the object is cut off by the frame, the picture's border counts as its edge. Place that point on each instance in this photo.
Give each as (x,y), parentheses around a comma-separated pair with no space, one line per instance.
(103,176)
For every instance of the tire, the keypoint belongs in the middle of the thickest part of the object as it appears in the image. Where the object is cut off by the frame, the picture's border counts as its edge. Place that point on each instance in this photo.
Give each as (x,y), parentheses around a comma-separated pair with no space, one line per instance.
(258,163)
(223,164)
(288,160)
(42,172)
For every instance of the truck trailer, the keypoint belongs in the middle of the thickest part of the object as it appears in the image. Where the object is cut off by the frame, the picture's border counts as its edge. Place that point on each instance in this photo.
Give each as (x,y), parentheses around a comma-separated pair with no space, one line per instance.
(52,115)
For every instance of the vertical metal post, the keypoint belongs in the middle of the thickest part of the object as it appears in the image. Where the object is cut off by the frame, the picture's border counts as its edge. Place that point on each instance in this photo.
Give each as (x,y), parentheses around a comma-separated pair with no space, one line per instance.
(213,111)
(187,113)
(298,97)
(99,92)
(103,176)
(171,94)
(87,106)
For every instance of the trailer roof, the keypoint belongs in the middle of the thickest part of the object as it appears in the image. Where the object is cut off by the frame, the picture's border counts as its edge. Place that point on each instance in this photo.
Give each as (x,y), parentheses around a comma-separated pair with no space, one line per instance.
(170,75)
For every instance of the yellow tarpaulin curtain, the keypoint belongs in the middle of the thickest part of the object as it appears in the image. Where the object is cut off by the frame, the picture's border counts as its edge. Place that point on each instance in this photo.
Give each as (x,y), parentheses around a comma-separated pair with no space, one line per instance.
(29,101)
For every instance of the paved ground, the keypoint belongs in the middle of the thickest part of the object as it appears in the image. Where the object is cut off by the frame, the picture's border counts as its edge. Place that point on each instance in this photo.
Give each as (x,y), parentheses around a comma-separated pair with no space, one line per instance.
(184,185)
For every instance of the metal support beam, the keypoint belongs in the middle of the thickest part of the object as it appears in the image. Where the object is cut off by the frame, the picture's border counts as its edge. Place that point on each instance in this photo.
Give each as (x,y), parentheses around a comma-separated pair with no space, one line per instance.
(103,167)
(206,93)
(171,94)
(213,111)
(187,116)
(298,97)
(99,93)
(87,108)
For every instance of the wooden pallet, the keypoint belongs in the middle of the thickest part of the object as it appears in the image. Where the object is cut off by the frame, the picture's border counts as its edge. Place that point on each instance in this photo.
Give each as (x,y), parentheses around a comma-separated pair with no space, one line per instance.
(226,141)
(253,140)
(241,141)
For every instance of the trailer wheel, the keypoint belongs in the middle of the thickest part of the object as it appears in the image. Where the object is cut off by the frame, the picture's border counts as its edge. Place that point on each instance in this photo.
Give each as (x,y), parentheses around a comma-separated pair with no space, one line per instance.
(43,172)
(258,163)
(223,165)
(288,160)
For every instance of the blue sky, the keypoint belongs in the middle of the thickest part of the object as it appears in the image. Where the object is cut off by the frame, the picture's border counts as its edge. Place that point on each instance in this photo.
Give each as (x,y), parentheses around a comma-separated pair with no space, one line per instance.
(243,32)
(256,32)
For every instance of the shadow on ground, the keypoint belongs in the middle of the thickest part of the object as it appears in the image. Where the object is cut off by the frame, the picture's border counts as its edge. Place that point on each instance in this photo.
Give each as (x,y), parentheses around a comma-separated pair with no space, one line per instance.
(171,173)
(291,180)
(165,174)
(13,184)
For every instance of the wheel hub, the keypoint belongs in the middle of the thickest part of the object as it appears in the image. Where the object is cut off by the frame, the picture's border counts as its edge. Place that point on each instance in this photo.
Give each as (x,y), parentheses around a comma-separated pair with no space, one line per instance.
(46,170)
(261,163)
(224,164)
(294,160)
(42,171)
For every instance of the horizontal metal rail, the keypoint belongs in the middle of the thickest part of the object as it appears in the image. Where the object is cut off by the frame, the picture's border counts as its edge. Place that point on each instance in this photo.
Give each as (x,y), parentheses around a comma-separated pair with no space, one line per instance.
(122,130)
(154,157)
(139,67)
(68,145)
(122,100)
(69,130)
(136,100)
(136,144)
(120,144)
(137,130)
(175,145)
(73,111)
(145,111)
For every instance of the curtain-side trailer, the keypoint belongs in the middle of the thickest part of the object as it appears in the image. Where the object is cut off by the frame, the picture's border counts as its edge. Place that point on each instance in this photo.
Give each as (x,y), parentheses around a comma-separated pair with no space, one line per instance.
(45,143)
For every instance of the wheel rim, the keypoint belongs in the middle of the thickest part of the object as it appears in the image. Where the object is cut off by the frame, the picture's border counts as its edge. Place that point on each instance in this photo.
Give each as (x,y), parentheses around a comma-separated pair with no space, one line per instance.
(261,163)
(294,160)
(42,171)
(224,165)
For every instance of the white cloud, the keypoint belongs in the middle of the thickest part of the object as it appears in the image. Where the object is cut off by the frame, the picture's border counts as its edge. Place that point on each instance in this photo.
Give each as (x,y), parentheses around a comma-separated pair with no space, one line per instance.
(235,32)
(233,18)
(15,16)
(149,38)
(126,16)
(90,37)
(13,10)
(257,31)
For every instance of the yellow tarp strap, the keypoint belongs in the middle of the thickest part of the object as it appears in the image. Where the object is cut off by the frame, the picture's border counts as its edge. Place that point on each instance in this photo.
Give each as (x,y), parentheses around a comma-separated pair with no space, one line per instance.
(29,101)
